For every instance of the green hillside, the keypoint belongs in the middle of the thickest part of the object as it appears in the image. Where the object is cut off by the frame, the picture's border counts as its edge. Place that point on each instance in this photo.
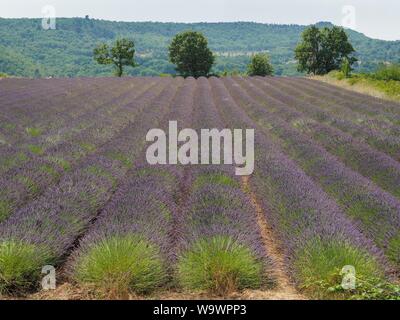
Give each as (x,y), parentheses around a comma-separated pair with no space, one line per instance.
(28,50)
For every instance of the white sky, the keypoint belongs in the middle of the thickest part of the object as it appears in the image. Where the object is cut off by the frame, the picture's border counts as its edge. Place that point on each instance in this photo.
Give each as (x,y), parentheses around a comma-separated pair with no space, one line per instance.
(376,18)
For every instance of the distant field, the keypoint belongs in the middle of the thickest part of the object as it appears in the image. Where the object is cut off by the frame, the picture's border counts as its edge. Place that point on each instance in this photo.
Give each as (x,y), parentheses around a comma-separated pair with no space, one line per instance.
(76,191)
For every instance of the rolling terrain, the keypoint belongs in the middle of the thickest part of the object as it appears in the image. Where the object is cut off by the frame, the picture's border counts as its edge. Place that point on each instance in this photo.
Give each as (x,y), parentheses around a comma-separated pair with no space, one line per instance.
(29,51)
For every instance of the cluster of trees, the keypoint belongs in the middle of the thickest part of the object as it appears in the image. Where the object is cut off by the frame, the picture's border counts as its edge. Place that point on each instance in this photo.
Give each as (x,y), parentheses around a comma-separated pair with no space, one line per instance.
(319,52)
(188,51)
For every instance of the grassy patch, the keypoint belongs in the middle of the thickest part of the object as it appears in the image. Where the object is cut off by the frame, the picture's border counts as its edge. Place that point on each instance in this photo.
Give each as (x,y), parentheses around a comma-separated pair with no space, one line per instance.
(64,164)
(372,84)
(219,265)
(29,184)
(156,172)
(318,268)
(20,266)
(120,265)
(361,211)
(393,250)
(35,149)
(5,209)
(9,162)
(119,156)
(10,126)
(50,170)
(101,172)
(33,132)
(88,147)
(214,178)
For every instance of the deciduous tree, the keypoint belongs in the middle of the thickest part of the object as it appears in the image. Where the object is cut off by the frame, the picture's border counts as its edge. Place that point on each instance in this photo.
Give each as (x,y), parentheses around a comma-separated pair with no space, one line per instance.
(260,65)
(322,51)
(121,54)
(190,53)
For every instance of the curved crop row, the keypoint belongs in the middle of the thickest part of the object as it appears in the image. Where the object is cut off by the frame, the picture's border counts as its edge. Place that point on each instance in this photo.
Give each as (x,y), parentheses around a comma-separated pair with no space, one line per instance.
(47,109)
(32,179)
(40,142)
(68,115)
(128,248)
(384,143)
(375,212)
(317,238)
(365,102)
(221,249)
(347,110)
(377,166)
(50,225)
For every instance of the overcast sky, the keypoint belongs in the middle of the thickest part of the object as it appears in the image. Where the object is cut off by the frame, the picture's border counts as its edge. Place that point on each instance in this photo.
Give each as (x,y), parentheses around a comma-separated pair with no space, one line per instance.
(376,18)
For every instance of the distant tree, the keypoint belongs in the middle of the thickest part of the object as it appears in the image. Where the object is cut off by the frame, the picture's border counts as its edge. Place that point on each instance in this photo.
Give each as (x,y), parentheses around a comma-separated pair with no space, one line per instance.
(307,51)
(190,53)
(260,65)
(346,68)
(322,51)
(37,73)
(121,54)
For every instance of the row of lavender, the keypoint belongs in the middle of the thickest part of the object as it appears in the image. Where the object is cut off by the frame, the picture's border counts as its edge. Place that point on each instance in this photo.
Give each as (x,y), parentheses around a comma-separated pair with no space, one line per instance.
(38,135)
(45,104)
(221,245)
(36,173)
(24,137)
(138,223)
(316,235)
(377,166)
(365,113)
(42,231)
(374,211)
(367,132)
(206,227)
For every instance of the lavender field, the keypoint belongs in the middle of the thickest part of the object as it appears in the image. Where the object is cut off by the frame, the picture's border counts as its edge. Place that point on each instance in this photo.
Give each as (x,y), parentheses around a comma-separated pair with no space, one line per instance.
(77,193)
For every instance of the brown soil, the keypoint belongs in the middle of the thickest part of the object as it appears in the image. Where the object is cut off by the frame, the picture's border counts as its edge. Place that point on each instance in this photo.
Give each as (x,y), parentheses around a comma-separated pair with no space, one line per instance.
(68,291)
(284,288)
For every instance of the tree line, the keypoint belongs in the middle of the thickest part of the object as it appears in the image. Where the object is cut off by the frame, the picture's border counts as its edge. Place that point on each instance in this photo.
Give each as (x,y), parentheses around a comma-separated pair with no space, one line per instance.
(319,52)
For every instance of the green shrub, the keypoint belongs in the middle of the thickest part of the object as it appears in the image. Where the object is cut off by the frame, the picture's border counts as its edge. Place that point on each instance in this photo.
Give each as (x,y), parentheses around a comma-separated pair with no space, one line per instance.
(318,267)
(388,72)
(345,68)
(20,266)
(366,289)
(260,65)
(219,265)
(121,264)
(335,74)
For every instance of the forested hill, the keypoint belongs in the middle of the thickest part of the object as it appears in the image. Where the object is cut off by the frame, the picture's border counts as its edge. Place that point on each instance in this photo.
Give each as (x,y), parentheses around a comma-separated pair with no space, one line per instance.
(28,50)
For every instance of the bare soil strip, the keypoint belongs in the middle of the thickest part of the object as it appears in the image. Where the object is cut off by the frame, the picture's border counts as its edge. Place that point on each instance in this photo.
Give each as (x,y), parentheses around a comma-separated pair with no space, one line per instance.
(284,284)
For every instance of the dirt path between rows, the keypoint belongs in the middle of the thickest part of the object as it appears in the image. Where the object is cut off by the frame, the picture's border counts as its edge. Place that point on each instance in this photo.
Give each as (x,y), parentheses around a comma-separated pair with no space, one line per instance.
(284,288)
